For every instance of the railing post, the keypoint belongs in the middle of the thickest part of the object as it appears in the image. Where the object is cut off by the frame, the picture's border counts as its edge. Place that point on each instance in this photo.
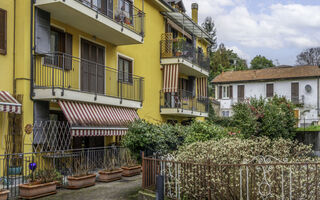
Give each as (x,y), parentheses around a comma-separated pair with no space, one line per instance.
(95,98)
(63,67)
(52,81)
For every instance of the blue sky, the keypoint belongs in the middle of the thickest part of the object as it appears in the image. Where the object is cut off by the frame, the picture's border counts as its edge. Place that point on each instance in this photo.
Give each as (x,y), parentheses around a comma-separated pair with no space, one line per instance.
(277,29)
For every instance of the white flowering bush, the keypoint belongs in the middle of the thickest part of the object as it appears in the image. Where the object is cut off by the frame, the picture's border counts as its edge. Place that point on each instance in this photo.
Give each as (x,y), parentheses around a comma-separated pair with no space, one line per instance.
(233,168)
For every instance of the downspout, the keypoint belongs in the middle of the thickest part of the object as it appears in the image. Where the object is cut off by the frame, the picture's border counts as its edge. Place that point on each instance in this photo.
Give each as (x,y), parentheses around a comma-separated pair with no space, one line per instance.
(31,49)
(318,106)
(14,50)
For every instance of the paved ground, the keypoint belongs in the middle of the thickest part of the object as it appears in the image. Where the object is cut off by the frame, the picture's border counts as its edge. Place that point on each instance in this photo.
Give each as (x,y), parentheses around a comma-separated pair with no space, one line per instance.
(125,189)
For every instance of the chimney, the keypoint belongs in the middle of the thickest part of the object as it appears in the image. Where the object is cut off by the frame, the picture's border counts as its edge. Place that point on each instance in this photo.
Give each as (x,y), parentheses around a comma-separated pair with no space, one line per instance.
(194,8)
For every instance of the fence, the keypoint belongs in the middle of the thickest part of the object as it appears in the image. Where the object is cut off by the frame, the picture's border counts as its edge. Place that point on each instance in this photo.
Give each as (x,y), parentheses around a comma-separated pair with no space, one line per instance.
(179,48)
(15,170)
(62,71)
(184,100)
(122,12)
(261,178)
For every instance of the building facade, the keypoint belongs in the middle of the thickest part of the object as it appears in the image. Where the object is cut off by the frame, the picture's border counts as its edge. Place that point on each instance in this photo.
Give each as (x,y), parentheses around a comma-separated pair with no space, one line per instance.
(299,84)
(83,69)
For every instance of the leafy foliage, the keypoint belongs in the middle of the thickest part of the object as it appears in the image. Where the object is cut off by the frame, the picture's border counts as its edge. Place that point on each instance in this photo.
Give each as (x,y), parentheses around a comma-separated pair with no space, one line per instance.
(45,176)
(261,62)
(273,118)
(209,26)
(309,56)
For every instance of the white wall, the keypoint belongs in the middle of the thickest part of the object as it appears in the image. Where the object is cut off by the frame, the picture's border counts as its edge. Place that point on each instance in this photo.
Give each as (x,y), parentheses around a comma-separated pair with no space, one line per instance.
(281,88)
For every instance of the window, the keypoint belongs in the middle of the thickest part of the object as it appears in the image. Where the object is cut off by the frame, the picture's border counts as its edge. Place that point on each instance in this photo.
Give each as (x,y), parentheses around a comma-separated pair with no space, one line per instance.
(225,92)
(125,70)
(269,90)
(3,31)
(225,113)
(125,10)
(295,93)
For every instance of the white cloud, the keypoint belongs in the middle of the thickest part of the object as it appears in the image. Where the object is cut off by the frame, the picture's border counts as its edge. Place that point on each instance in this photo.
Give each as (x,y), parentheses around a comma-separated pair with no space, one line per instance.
(240,53)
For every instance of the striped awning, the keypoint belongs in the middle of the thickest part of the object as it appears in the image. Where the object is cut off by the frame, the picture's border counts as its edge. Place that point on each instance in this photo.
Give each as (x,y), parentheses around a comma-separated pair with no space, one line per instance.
(202,86)
(171,75)
(97,120)
(8,103)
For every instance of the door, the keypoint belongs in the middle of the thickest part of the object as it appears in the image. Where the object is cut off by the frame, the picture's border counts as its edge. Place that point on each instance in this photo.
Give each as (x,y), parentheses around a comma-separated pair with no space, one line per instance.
(92,67)
(240,92)
(295,93)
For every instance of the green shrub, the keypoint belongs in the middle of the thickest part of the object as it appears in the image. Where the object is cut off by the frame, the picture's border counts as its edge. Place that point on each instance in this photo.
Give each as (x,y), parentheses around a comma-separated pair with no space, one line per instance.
(273,118)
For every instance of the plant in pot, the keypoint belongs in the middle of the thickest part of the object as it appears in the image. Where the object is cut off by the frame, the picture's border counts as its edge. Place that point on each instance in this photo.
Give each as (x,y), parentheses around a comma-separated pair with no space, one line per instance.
(3,192)
(111,172)
(131,168)
(82,177)
(178,45)
(40,183)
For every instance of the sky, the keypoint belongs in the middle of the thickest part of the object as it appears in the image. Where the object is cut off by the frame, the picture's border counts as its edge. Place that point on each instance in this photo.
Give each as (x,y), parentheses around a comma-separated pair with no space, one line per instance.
(276,29)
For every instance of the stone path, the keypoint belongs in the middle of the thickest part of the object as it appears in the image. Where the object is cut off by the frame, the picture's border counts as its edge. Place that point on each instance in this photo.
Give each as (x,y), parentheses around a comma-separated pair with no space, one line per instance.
(125,189)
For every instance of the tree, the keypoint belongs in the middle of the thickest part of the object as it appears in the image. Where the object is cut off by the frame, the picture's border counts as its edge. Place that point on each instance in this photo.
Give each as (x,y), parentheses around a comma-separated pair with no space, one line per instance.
(309,56)
(261,62)
(209,27)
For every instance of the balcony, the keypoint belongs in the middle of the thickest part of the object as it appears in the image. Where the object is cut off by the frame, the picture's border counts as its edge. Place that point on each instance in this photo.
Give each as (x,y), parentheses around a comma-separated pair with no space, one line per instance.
(117,22)
(184,104)
(61,76)
(192,61)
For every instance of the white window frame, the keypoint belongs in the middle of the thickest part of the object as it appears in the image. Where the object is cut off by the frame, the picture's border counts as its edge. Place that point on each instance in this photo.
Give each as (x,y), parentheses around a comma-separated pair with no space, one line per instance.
(225,89)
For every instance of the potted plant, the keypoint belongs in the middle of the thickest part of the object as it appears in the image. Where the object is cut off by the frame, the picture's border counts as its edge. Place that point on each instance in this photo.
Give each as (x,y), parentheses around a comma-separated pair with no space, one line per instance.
(178,45)
(15,167)
(81,178)
(41,183)
(111,172)
(131,168)
(3,193)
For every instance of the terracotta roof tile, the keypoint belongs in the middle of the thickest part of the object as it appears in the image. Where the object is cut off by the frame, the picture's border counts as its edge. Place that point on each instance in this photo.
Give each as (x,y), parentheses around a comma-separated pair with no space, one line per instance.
(283,72)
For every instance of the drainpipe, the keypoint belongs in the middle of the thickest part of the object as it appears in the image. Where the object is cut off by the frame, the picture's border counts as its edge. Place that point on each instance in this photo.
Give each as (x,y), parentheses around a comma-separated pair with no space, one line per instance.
(14,49)
(318,106)
(31,49)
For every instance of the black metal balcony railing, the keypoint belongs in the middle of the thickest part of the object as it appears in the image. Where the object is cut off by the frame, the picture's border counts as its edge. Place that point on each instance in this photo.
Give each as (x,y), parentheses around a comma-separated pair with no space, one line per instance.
(59,70)
(120,11)
(179,48)
(184,100)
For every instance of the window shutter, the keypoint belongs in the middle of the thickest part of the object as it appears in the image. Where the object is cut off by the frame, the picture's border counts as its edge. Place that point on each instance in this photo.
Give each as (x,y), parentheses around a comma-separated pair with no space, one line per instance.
(231,92)
(68,51)
(269,90)
(42,31)
(295,92)
(130,72)
(220,92)
(120,69)
(240,92)
(3,31)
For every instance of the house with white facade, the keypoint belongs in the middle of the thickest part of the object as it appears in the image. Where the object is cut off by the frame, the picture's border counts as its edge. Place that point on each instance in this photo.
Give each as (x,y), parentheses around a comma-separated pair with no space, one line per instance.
(300,84)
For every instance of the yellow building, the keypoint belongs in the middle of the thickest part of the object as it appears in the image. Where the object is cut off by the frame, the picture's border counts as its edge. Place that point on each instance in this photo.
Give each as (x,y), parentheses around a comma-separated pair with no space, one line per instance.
(83,69)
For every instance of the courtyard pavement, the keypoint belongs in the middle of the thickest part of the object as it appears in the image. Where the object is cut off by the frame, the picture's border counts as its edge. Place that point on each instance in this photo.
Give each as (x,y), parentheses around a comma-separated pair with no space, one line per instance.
(125,189)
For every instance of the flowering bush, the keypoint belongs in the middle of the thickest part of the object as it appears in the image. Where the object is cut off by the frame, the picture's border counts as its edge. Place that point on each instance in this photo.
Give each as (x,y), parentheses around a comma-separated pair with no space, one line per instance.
(273,118)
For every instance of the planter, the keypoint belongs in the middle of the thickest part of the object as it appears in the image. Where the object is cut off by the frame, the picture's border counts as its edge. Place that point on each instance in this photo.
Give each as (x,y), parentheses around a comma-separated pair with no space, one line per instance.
(131,171)
(110,176)
(32,191)
(4,194)
(14,170)
(81,182)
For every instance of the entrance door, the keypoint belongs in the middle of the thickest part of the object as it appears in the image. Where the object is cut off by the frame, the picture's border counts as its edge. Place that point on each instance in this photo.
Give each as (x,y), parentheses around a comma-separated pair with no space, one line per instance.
(92,67)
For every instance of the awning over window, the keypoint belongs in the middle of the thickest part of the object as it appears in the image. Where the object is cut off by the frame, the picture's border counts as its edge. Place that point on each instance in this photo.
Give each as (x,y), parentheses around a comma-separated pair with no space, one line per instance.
(97,120)
(171,75)
(8,103)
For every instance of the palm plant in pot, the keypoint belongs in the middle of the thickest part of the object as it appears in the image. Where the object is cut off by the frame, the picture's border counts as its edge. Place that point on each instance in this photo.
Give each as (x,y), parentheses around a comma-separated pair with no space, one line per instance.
(130,168)
(3,192)
(111,171)
(82,177)
(40,183)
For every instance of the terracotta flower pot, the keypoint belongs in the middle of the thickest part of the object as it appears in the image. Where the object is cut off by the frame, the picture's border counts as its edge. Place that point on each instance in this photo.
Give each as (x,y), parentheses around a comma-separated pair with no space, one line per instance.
(131,171)
(4,194)
(81,182)
(109,176)
(31,191)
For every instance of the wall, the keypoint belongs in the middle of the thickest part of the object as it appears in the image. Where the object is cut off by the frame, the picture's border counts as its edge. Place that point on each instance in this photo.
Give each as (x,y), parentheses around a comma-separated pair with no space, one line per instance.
(281,88)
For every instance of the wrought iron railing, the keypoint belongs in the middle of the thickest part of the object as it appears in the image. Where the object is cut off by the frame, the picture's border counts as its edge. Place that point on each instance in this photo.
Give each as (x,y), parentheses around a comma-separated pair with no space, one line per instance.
(179,48)
(185,100)
(120,11)
(15,168)
(66,72)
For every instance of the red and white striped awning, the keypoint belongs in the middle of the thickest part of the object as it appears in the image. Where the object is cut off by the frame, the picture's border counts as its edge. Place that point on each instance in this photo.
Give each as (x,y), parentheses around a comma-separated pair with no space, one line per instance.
(97,120)
(202,86)
(8,103)
(171,76)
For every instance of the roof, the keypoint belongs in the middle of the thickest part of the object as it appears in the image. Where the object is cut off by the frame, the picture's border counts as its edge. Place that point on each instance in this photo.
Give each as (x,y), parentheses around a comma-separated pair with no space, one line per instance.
(274,73)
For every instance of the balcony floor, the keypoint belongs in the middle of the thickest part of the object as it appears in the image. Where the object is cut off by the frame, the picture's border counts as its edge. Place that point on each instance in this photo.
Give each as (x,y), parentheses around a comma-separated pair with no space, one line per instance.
(71,95)
(186,67)
(182,112)
(87,20)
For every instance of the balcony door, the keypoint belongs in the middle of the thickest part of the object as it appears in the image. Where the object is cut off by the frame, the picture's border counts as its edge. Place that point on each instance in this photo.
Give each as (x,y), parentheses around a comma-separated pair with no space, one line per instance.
(92,67)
